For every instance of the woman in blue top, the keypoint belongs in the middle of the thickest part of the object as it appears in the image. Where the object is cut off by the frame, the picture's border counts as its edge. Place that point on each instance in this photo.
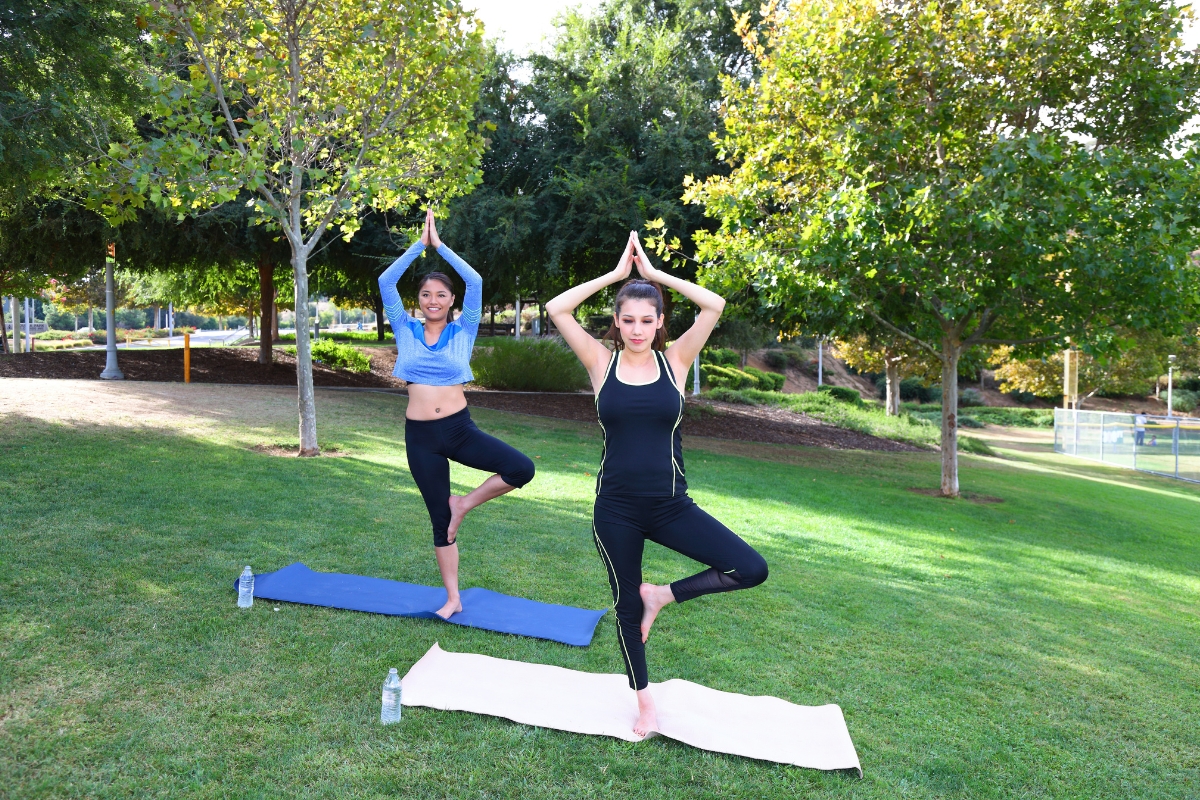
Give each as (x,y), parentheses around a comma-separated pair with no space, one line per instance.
(434,358)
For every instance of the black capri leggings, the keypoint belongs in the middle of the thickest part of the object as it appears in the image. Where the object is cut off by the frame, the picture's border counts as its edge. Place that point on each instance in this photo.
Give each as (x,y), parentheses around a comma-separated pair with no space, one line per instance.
(433,444)
(622,524)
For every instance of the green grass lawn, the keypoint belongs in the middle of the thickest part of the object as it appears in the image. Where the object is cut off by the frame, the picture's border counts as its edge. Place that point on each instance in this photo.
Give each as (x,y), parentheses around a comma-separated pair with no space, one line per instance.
(1043,646)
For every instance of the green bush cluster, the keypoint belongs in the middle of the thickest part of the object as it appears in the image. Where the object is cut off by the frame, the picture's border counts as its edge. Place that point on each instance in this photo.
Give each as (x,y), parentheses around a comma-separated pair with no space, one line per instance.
(720,357)
(863,417)
(719,369)
(528,365)
(843,393)
(336,356)
(1184,400)
(912,390)
(970,398)
(734,378)
(365,337)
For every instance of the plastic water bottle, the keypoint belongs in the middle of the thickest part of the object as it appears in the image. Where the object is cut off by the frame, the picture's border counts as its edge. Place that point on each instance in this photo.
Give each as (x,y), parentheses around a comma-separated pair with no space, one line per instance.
(246,588)
(391,698)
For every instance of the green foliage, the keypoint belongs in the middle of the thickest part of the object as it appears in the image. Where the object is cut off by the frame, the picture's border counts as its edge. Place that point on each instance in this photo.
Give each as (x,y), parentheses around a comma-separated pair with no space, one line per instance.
(970,398)
(776,359)
(541,364)
(720,357)
(358,337)
(768,381)
(337,356)
(870,419)
(68,82)
(936,167)
(986,415)
(843,393)
(1184,400)
(727,378)
(601,136)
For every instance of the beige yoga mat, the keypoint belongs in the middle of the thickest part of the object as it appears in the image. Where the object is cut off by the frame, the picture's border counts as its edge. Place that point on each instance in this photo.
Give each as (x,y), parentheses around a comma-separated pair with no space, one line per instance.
(765,728)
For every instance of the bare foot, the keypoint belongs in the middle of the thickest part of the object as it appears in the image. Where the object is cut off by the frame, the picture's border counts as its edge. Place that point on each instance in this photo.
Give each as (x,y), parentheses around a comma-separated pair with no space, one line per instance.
(458,510)
(653,600)
(647,720)
(452,607)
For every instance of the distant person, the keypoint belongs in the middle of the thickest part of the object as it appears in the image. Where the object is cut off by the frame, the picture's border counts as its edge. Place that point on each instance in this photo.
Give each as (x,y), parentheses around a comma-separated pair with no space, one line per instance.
(1139,430)
(360,324)
(434,358)
(641,493)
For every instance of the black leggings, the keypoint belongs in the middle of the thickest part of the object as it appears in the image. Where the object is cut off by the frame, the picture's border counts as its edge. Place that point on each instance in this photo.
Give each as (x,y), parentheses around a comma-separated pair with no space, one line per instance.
(433,444)
(622,524)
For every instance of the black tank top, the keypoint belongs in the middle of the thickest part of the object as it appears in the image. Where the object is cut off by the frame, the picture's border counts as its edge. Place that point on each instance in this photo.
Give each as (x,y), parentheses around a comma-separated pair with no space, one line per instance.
(643,448)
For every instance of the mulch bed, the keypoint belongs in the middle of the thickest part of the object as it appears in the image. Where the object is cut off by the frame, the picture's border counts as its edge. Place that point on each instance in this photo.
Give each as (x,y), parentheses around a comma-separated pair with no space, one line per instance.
(236,365)
(209,365)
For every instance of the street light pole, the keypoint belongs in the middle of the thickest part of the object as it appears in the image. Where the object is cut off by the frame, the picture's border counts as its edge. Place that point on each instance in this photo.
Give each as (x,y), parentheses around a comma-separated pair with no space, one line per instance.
(1170,384)
(111,371)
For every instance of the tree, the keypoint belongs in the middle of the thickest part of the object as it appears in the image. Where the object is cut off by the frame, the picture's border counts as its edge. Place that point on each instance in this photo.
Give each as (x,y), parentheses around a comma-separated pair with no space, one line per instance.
(1131,370)
(963,173)
(596,141)
(316,108)
(892,355)
(68,77)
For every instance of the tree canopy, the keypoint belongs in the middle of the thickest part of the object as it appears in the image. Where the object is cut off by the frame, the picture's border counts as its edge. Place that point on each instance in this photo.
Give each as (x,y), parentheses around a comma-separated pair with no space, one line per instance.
(961,174)
(69,80)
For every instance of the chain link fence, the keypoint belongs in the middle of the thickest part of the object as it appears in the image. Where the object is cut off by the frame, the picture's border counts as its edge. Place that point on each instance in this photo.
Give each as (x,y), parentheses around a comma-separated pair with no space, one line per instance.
(1167,446)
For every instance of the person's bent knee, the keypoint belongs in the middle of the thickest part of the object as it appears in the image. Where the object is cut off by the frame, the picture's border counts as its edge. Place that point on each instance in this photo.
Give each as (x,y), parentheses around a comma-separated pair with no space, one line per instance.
(521,473)
(753,573)
(441,539)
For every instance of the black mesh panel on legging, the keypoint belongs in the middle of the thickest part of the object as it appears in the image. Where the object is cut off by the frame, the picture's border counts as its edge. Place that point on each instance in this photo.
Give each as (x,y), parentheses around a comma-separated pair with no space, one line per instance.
(710,581)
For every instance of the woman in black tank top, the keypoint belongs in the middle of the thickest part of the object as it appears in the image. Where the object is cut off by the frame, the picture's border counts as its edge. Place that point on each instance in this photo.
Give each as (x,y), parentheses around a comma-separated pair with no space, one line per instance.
(641,490)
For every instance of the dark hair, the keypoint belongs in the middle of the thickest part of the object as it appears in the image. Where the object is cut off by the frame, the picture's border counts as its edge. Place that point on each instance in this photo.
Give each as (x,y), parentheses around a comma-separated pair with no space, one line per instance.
(440,277)
(638,289)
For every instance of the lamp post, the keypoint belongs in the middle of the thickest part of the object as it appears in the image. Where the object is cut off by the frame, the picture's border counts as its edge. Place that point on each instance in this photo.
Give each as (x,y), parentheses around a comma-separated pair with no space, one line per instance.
(1170,384)
(111,371)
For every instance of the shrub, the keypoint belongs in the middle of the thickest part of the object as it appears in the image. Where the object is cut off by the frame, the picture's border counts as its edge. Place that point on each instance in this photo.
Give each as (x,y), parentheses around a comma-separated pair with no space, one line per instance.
(720,357)
(728,378)
(336,356)
(767,381)
(1023,397)
(843,393)
(776,359)
(1189,384)
(49,336)
(970,398)
(1184,401)
(528,365)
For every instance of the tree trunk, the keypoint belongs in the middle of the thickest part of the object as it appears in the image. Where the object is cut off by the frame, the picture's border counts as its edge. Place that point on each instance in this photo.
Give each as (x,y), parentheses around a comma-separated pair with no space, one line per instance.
(266,293)
(950,355)
(18,344)
(892,378)
(274,322)
(4,328)
(91,327)
(304,381)
(112,372)
(157,316)
(377,307)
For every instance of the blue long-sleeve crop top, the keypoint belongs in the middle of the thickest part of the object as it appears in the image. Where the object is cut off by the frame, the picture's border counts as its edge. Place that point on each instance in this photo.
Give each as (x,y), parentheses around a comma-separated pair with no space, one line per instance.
(449,361)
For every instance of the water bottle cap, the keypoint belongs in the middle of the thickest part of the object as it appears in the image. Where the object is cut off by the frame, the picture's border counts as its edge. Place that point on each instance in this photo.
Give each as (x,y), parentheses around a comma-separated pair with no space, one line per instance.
(392,671)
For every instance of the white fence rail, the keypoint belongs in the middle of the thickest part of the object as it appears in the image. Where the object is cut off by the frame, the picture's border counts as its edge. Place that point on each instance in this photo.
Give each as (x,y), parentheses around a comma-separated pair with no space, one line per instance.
(1160,445)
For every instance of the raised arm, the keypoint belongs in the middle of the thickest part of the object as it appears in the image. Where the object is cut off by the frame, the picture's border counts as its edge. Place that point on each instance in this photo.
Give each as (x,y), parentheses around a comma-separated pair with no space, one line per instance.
(473,298)
(592,354)
(387,285)
(685,349)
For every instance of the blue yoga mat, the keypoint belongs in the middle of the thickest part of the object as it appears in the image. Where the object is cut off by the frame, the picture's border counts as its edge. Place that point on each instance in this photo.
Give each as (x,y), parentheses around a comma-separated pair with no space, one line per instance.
(481,608)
